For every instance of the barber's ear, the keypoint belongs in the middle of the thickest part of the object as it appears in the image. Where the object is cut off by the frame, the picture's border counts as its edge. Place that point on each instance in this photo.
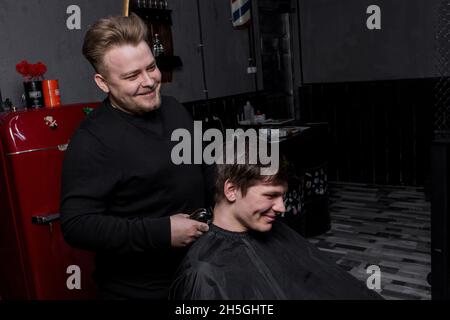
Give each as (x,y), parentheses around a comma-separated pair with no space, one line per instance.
(229,190)
(101,83)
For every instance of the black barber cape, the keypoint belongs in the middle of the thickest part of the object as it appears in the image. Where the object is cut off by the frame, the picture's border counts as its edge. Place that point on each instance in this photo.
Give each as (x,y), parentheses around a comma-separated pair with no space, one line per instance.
(279,264)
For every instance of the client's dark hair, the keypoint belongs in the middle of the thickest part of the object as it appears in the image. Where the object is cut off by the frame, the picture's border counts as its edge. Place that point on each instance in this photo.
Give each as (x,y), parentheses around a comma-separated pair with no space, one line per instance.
(246,175)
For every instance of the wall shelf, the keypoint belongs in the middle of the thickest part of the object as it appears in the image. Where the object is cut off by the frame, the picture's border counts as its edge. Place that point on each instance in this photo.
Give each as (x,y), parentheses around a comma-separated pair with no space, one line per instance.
(159,23)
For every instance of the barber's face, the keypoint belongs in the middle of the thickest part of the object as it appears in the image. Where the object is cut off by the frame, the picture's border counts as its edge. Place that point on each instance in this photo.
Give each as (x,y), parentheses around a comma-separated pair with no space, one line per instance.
(131,78)
(258,208)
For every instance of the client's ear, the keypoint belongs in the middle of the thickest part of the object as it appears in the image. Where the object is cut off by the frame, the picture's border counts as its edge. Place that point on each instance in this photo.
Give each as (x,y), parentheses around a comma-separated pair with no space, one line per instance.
(229,190)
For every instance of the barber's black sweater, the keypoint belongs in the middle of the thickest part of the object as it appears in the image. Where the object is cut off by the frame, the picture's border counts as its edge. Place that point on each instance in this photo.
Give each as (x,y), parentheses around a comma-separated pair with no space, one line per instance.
(119,187)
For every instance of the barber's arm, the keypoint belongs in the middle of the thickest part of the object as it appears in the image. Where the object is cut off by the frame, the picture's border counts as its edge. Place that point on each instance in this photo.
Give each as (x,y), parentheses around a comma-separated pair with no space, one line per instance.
(90,175)
(184,230)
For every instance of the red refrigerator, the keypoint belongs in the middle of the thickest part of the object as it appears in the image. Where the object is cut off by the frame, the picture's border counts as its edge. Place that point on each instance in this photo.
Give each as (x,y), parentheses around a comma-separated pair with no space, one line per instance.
(35,261)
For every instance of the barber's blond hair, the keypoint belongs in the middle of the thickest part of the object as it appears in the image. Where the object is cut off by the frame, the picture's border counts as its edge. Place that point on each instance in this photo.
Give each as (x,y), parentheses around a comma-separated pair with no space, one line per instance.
(112,32)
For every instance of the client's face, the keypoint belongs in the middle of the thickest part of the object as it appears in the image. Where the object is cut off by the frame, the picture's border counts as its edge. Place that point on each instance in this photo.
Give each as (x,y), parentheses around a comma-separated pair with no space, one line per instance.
(258,208)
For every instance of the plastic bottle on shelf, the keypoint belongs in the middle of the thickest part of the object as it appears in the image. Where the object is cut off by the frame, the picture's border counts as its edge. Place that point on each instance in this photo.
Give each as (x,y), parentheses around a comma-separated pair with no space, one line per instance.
(259,117)
(249,112)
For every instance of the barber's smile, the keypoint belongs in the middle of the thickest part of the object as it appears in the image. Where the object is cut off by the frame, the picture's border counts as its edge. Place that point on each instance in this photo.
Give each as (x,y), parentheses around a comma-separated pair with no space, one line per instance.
(150,94)
(147,94)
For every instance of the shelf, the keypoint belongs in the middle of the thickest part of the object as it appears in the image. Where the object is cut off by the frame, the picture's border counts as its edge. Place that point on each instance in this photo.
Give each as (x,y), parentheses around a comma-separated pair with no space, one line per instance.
(163,16)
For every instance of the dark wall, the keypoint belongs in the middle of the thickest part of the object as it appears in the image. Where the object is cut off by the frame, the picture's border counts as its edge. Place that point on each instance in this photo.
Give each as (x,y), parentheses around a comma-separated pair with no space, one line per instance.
(36,31)
(338,47)
(380,131)
(225,51)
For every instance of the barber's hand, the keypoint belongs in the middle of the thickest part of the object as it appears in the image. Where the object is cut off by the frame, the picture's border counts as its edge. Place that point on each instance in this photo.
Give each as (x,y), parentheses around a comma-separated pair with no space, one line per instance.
(184,230)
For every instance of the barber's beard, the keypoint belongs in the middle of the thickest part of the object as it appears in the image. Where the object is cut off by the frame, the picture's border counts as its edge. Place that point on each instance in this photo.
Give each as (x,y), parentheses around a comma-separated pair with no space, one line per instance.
(148,103)
(154,98)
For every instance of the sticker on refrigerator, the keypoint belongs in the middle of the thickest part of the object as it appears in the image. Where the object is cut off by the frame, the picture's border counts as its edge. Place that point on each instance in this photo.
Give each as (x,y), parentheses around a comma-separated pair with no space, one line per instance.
(50,122)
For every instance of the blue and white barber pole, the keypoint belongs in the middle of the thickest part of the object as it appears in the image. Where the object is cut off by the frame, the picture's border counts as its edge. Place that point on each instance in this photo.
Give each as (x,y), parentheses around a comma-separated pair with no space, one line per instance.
(241,13)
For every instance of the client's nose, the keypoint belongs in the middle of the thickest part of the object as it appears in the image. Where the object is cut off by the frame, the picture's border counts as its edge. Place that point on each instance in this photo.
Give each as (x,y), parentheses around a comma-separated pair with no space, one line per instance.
(279,205)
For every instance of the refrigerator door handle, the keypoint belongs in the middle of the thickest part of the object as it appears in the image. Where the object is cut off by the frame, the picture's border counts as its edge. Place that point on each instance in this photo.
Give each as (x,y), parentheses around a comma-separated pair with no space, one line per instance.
(45,220)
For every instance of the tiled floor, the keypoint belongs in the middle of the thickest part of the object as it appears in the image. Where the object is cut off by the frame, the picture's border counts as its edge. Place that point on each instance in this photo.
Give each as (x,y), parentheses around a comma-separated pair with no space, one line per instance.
(384,226)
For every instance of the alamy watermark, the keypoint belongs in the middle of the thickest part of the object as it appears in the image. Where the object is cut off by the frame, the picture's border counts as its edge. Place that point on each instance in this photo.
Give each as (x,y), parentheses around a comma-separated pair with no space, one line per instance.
(73,21)
(374,280)
(74,279)
(192,150)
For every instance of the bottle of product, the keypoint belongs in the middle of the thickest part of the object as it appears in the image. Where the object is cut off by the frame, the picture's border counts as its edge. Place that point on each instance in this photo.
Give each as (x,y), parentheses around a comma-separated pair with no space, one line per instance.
(249,112)
(158,48)
(259,117)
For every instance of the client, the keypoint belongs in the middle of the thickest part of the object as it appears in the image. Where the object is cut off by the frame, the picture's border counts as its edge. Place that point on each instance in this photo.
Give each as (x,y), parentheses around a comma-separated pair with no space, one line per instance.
(248,254)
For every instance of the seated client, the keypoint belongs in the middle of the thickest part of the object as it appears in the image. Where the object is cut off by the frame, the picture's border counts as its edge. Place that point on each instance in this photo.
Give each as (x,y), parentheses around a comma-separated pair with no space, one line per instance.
(248,254)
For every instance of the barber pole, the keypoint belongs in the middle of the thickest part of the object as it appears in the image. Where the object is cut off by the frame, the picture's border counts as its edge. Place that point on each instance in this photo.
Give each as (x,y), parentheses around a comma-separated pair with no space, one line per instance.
(240,11)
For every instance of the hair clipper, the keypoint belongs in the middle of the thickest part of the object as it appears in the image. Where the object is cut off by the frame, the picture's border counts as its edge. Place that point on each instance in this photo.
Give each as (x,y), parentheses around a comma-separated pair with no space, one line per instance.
(202,214)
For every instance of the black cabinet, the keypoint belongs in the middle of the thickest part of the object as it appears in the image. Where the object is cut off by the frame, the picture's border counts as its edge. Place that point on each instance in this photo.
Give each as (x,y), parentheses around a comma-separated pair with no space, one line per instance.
(440,221)
(307,199)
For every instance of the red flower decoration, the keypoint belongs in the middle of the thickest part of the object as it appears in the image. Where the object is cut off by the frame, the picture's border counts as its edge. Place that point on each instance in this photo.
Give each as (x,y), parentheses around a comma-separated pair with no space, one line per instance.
(31,71)
(23,68)
(41,69)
